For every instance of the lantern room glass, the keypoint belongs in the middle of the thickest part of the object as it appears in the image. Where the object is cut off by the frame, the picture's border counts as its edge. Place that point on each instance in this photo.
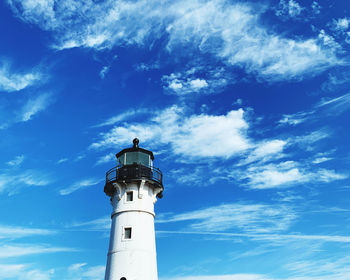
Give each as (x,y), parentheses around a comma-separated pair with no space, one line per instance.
(135,158)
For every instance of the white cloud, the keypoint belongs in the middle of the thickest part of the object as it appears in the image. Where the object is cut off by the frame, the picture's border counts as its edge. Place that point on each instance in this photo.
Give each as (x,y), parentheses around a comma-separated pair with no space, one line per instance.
(321,159)
(316,8)
(13,182)
(107,158)
(221,277)
(199,79)
(104,71)
(80,185)
(328,40)
(336,81)
(11,251)
(24,272)
(10,232)
(295,119)
(76,266)
(289,8)
(62,160)
(123,116)
(284,174)
(194,136)
(324,269)
(95,272)
(32,178)
(34,106)
(80,271)
(198,83)
(271,149)
(340,24)
(240,217)
(231,32)
(16,81)
(100,224)
(17,161)
(336,105)
(270,177)
(325,107)
(308,139)
(276,238)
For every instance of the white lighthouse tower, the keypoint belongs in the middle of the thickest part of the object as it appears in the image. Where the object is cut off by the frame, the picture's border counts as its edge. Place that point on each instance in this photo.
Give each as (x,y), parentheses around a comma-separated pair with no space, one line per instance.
(133,185)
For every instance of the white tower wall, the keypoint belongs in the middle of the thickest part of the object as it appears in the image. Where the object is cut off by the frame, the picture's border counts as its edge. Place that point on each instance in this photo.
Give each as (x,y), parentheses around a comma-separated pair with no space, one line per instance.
(133,258)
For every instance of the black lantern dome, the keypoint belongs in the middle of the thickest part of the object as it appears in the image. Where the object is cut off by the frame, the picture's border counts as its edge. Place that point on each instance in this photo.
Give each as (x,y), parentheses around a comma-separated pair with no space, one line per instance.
(135,155)
(134,164)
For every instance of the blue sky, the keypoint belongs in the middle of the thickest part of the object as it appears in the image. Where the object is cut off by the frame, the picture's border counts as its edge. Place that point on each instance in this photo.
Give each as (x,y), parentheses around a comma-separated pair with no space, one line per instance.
(245,105)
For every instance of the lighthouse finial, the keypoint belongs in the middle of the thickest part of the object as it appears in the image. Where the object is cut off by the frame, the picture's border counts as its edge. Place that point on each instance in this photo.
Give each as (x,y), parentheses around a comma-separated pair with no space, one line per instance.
(136,142)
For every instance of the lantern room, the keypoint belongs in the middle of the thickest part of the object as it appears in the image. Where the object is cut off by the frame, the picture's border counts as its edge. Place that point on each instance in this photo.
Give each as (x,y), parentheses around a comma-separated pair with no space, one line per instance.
(135,155)
(134,164)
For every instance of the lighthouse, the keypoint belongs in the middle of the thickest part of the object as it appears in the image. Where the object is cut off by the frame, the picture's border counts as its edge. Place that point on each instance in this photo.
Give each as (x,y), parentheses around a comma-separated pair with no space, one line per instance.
(133,187)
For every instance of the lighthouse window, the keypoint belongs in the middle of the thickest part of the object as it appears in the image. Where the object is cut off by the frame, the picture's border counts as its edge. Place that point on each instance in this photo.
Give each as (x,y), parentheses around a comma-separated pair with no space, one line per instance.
(127,233)
(129,196)
(121,160)
(138,158)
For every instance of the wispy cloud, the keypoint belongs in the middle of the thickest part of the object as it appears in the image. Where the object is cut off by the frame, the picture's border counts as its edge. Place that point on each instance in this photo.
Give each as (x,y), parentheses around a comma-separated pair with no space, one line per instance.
(107,158)
(17,161)
(220,277)
(325,268)
(295,119)
(324,108)
(12,181)
(62,160)
(79,271)
(289,9)
(11,232)
(336,105)
(24,272)
(104,71)
(265,151)
(11,251)
(11,81)
(341,24)
(34,106)
(248,218)
(123,116)
(100,224)
(80,185)
(230,32)
(284,174)
(199,79)
(278,238)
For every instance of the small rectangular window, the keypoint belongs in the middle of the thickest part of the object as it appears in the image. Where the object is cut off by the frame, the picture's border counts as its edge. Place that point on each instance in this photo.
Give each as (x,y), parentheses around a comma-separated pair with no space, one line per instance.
(129,196)
(127,233)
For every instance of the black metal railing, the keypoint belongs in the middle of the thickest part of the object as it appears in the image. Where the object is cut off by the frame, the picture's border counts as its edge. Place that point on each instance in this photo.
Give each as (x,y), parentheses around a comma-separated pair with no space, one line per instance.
(134,172)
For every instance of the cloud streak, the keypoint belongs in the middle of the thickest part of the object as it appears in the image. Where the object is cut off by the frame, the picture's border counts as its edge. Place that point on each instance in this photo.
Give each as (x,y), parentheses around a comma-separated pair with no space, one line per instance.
(12,251)
(12,182)
(229,32)
(11,232)
(10,81)
(80,185)
(268,237)
(34,106)
(23,272)
(249,218)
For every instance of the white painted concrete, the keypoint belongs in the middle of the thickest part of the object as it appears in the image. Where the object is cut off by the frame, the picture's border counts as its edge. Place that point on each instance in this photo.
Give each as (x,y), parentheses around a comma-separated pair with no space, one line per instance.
(135,258)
